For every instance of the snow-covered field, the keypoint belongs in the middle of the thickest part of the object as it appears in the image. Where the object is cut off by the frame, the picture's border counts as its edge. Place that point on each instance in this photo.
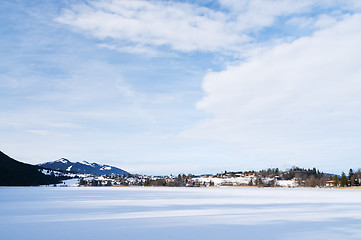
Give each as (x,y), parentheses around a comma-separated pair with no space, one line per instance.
(178,213)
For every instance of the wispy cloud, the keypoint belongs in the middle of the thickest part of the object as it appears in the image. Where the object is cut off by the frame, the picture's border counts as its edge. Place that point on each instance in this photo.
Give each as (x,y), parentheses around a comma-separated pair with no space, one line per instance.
(180,26)
(145,26)
(64,125)
(132,49)
(46,133)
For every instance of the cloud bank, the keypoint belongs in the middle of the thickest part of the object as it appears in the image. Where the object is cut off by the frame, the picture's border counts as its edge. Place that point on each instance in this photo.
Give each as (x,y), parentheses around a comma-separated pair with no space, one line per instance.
(296,101)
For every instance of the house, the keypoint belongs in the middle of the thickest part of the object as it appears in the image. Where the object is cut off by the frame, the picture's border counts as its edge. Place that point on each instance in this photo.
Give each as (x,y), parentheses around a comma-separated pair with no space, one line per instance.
(330,183)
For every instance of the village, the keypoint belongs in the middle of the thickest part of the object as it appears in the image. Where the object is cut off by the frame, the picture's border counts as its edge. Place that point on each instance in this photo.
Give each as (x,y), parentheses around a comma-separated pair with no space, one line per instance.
(291,178)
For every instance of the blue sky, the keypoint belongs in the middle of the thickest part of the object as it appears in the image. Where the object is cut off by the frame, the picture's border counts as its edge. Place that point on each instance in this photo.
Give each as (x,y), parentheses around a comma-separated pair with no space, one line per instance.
(163,87)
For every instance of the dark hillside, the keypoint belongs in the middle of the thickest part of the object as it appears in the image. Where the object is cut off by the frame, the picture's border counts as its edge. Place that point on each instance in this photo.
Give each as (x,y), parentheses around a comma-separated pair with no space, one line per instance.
(15,173)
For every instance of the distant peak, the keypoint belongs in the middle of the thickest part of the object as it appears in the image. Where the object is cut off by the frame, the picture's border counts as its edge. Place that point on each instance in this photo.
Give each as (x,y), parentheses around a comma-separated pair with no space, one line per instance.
(63,160)
(87,163)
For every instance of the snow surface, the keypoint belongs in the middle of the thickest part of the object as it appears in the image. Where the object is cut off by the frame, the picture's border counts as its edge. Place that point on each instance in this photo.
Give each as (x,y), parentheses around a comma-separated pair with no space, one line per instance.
(179,213)
(218,181)
(69,168)
(238,181)
(105,168)
(286,183)
(57,173)
(74,182)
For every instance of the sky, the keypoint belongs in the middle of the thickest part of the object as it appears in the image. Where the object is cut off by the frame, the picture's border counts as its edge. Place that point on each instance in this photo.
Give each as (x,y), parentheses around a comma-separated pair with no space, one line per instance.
(168,87)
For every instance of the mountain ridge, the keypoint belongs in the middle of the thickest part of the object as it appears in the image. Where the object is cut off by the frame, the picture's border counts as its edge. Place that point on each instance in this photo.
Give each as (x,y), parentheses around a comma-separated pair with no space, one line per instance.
(83,167)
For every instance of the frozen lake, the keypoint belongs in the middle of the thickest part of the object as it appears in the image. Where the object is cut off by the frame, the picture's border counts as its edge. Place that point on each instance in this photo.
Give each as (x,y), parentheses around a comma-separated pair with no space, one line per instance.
(178,213)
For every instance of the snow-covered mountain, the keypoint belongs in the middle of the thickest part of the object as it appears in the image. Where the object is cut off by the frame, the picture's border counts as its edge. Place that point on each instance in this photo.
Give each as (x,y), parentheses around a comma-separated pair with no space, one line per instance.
(82,167)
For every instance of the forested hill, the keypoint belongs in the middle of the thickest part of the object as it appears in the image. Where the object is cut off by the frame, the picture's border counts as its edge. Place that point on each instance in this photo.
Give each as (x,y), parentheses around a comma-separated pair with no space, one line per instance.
(15,173)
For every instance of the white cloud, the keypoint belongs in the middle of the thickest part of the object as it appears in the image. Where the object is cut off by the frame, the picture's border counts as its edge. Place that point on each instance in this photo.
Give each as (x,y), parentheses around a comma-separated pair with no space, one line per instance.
(63,125)
(299,100)
(143,26)
(257,14)
(43,132)
(137,49)
(180,26)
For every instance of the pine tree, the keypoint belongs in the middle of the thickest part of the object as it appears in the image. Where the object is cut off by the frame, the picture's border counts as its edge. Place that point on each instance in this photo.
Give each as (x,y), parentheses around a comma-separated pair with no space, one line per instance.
(335,180)
(94,183)
(351,178)
(343,180)
(81,182)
